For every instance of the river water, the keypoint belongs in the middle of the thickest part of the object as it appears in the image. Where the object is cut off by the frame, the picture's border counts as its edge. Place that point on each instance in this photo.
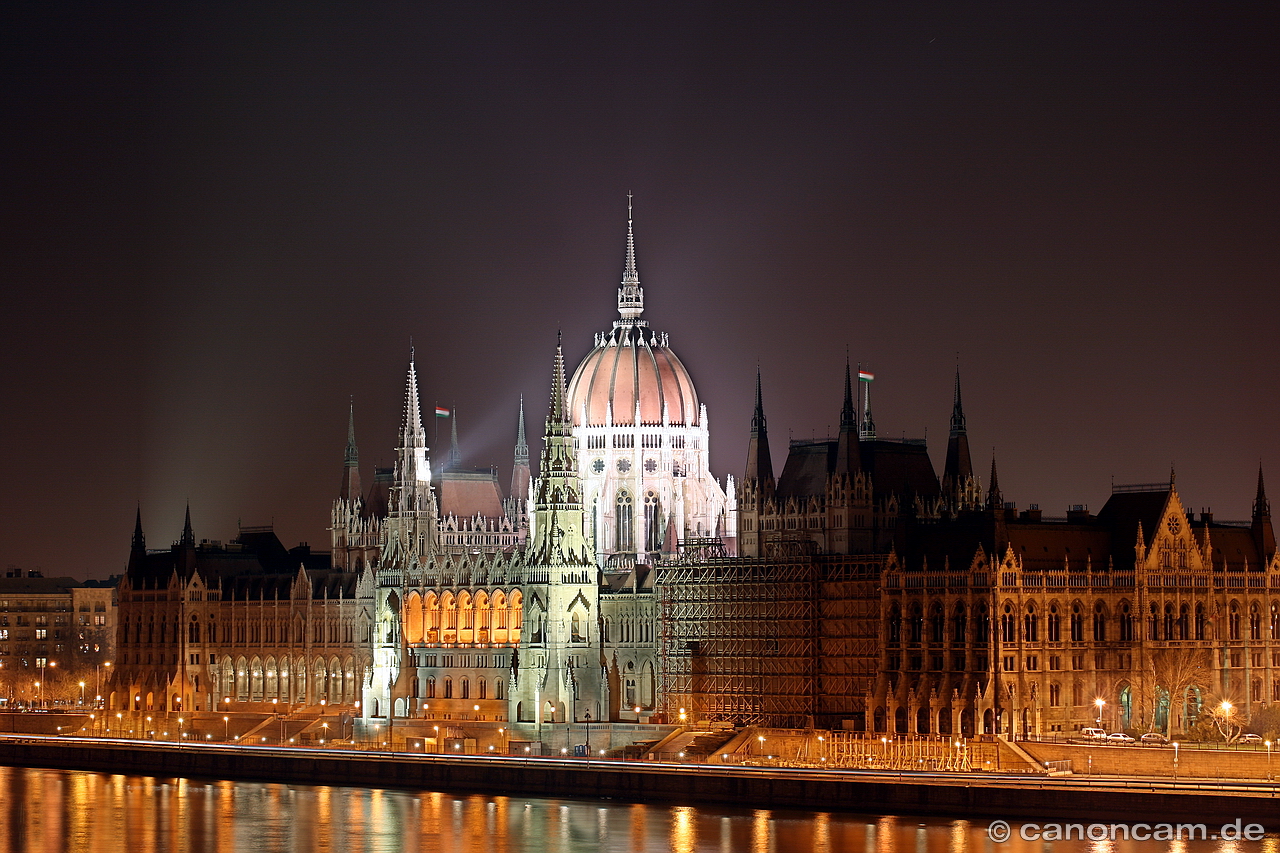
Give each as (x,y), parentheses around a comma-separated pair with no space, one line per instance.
(43,811)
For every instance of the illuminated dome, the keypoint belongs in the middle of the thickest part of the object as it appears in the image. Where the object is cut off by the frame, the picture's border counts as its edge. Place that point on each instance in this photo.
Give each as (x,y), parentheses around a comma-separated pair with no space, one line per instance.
(630,364)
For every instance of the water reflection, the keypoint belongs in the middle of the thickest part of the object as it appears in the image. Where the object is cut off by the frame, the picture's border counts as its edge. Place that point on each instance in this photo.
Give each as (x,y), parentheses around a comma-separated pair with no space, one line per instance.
(42,811)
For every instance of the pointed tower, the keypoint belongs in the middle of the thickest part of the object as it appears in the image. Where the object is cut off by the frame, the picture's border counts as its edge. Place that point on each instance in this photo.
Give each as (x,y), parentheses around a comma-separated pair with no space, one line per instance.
(455,455)
(350,489)
(188,539)
(1264,537)
(561,593)
(995,501)
(630,293)
(849,451)
(139,541)
(516,504)
(958,484)
(560,538)
(412,511)
(759,461)
(867,432)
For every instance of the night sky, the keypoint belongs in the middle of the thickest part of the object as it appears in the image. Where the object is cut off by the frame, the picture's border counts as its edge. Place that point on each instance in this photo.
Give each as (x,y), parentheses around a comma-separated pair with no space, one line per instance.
(222,222)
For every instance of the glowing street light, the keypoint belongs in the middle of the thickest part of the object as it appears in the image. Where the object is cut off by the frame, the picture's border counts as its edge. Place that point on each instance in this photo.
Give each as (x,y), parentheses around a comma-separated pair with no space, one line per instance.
(226,729)
(1101,703)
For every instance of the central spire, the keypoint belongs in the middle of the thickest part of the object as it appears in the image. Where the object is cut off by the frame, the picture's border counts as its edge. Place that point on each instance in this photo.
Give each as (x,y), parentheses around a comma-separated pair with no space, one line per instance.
(630,293)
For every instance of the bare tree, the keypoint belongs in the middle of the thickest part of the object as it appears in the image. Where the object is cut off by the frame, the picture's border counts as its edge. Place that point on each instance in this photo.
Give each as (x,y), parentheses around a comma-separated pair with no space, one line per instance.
(1177,670)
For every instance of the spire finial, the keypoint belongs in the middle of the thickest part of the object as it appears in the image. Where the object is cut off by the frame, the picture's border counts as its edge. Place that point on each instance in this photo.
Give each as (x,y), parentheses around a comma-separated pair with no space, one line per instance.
(630,294)
(188,537)
(957,408)
(455,455)
(995,500)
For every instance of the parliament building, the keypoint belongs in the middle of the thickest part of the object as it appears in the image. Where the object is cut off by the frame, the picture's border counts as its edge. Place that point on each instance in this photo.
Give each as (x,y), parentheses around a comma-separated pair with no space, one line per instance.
(622,582)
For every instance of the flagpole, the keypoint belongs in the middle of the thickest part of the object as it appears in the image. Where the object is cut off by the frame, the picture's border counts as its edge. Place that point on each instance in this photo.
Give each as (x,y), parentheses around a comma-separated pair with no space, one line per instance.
(435,416)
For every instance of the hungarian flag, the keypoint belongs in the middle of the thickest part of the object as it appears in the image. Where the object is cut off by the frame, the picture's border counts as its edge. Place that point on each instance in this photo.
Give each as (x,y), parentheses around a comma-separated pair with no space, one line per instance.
(865,375)
(442,412)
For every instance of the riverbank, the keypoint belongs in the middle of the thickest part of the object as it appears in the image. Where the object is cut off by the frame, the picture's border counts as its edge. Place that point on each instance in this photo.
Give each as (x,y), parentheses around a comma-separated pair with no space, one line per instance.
(968,795)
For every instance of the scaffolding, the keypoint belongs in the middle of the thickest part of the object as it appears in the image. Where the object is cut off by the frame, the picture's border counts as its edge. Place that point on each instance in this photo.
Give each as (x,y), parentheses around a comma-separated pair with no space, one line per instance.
(774,641)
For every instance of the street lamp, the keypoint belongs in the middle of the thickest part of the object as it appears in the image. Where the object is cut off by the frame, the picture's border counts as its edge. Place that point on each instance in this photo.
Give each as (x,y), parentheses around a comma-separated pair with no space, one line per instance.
(82,694)
(1268,743)
(1100,702)
(324,726)
(97,671)
(1175,760)
(502,742)
(40,692)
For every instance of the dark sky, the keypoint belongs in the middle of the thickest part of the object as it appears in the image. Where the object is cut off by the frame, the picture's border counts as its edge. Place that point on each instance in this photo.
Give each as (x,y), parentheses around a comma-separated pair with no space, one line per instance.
(222,221)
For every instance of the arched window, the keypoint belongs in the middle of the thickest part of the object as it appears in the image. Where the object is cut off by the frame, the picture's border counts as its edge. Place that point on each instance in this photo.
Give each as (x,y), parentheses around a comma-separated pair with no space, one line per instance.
(961,624)
(626,542)
(1184,623)
(894,626)
(1255,622)
(652,522)
(1077,624)
(1233,621)
(1053,624)
(1168,621)
(936,623)
(575,627)
(916,626)
(466,688)
(1099,623)
(1008,626)
(1031,625)
(431,687)
(1200,620)
(448,688)
(1126,622)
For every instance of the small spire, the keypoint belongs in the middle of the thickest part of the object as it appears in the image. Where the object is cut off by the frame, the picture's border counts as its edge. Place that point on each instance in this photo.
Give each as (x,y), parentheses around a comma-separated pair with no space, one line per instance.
(352,456)
(412,434)
(995,500)
(630,294)
(957,410)
(455,455)
(1261,506)
(139,541)
(759,461)
(522,446)
(848,415)
(188,537)
(868,429)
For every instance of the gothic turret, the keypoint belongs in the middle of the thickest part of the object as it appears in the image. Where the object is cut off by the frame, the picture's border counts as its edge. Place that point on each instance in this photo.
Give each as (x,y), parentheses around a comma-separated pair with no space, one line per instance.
(849,451)
(559,527)
(455,455)
(759,473)
(412,521)
(867,431)
(350,489)
(1264,536)
(995,501)
(630,293)
(959,488)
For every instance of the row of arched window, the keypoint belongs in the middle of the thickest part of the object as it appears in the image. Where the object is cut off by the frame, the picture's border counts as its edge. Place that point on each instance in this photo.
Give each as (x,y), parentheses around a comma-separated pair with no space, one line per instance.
(464,617)
(1030,624)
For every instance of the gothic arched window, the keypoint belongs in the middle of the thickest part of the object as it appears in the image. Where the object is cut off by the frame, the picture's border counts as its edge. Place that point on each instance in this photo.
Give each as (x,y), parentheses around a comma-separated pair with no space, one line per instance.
(626,541)
(652,522)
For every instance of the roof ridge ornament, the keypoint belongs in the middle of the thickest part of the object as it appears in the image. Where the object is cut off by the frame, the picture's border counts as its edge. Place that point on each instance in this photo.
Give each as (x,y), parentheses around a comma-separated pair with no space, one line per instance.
(630,293)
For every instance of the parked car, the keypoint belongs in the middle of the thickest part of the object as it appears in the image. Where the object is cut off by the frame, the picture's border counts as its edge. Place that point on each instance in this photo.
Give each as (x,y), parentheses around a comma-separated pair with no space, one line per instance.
(1096,734)
(1119,737)
(1154,737)
(1251,738)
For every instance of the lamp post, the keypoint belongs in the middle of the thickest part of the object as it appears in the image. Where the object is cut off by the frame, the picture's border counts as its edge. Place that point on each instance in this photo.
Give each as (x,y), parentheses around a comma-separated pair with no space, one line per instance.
(1268,743)
(51,664)
(39,694)
(97,672)
(82,694)
(502,739)
(1101,703)
(226,729)
(587,716)
(1175,760)
(324,726)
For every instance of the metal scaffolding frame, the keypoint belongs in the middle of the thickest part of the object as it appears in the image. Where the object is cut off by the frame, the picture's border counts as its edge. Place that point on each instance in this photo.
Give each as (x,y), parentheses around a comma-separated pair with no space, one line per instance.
(775,641)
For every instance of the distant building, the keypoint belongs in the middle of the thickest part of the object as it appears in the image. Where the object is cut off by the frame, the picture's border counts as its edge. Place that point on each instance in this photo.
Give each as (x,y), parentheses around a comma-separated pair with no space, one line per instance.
(58,629)
(210,626)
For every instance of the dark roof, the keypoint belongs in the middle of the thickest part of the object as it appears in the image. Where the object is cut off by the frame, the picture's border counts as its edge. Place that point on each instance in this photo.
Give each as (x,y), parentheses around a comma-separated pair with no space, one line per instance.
(1124,513)
(39,586)
(900,468)
(255,565)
